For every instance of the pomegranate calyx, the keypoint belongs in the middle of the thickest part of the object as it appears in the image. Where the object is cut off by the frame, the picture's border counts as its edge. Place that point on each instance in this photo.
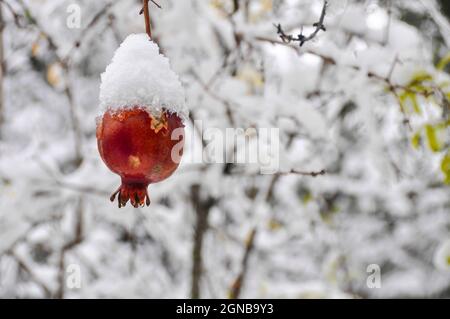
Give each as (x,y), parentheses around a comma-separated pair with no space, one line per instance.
(136,193)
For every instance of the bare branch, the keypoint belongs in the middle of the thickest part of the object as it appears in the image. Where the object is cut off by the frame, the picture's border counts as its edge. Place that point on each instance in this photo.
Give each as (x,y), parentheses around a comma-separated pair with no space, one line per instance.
(154,2)
(303,173)
(23,265)
(300,38)
(236,287)
(202,208)
(77,239)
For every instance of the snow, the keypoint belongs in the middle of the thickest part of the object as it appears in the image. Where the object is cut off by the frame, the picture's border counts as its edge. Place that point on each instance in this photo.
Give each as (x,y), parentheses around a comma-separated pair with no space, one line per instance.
(381,202)
(140,76)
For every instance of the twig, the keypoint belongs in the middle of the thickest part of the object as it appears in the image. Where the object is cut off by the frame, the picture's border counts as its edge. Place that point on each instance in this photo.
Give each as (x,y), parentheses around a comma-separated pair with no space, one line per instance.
(303,173)
(148,26)
(236,287)
(202,208)
(302,39)
(15,15)
(154,2)
(2,68)
(67,90)
(78,238)
(86,30)
(392,87)
(227,104)
(33,276)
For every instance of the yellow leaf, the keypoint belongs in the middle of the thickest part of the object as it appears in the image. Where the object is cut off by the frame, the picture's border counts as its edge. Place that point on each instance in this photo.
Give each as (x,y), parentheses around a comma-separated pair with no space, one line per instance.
(34,49)
(445,167)
(54,74)
(266,5)
(274,225)
(432,138)
(420,77)
(415,140)
(444,62)
(307,198)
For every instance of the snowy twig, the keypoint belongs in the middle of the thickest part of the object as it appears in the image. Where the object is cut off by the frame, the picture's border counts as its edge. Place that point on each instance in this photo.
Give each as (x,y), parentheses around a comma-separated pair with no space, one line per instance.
(89,27)
(67,90)
(302,39)
(236,287)
(440,20)
(391,86)
(227,104)
(303,173)
(2,67)
(15,15)
(77,239)
(202,208)
(33,276)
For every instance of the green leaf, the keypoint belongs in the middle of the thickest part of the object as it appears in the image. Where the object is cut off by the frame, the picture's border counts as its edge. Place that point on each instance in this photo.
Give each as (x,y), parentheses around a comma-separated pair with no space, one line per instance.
(409,96)
(29,17)
(444,62)
(432,138)
(307,198)
(415,103)
(415,140)
(445,167)
(420,77)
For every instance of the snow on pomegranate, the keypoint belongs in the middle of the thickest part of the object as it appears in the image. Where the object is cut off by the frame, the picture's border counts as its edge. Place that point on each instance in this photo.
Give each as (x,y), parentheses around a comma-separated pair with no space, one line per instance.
(140,133)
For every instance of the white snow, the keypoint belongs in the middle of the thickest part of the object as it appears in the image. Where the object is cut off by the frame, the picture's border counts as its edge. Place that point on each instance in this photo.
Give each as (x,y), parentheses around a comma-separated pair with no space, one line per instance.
(140,76)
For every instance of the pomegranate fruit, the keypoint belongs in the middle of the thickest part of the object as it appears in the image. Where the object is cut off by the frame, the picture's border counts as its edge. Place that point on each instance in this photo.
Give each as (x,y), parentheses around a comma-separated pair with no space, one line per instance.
(141,148)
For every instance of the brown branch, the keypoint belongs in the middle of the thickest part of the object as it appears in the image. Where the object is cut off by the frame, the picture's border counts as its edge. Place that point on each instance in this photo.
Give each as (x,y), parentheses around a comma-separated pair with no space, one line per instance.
(22,265)
(392,87)
(148,26)
(202,208)
(301,39)
(154,2)
(77,239)
(303,173)
(67,90)
(2,68)
(236,287)
(15,15)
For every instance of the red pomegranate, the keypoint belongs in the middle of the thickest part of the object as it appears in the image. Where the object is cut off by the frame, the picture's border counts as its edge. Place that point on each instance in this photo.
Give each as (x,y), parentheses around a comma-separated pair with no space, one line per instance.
(142,148)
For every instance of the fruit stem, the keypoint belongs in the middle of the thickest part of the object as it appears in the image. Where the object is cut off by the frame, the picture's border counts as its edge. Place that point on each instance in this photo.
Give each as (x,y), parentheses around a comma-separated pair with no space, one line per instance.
(148,26)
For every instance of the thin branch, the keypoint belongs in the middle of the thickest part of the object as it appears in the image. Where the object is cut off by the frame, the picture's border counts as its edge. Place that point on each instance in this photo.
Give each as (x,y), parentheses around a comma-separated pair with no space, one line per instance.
(304,173)
(22,264)
(236,287)
(77,239)
(67,90)
(391,87)
(202,208)
(154,2)
(300,38)
(2,68)
(207,89)
(148,26)
(15,15)
(86,30)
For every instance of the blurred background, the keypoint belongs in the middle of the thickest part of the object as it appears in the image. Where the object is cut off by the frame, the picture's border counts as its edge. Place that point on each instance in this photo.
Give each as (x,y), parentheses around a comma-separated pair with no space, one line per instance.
(367,101)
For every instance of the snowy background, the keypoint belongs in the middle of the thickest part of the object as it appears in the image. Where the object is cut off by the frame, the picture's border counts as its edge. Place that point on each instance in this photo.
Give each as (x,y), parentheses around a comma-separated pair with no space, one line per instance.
(367,100)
